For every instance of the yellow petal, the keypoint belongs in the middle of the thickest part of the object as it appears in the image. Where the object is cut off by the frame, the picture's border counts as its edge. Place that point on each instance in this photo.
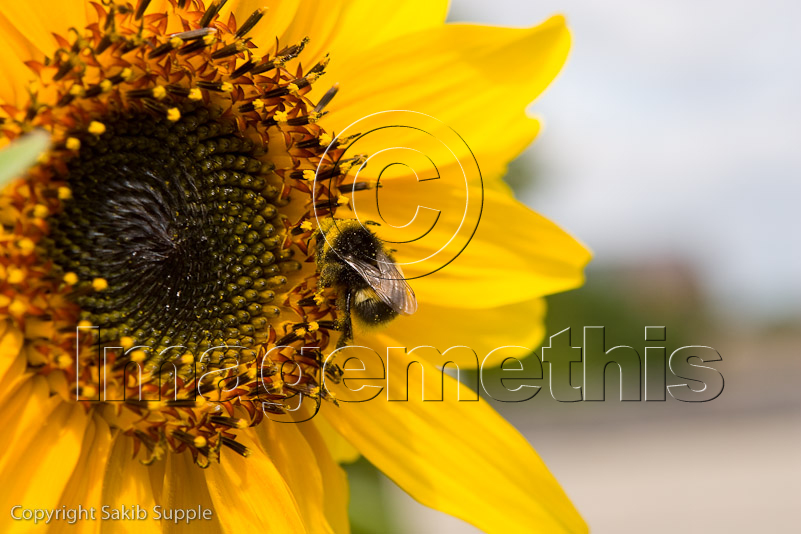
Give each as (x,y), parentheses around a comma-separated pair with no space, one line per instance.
(250,495)
(84,487)
(527,257)
(287,447)
(126,482)
(477,80)
(520,324)
(25,412)
(37,21)
(40,474)
(461,458)
(11,340)
(157,472)
(338,447)
(15,375)
(365,24)
(335,482)
(16,75)
(340,27)
(185,488)
(515,255)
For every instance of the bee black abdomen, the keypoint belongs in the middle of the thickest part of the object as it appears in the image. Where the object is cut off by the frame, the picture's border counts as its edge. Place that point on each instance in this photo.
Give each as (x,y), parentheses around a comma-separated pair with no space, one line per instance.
(371,311)
(346,251)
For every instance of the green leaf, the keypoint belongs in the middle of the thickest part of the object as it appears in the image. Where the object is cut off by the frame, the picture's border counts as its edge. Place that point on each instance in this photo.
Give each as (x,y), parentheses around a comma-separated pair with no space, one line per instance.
(21,154)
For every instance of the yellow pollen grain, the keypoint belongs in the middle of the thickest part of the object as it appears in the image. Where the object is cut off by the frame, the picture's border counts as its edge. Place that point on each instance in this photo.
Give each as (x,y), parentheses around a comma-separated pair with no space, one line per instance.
(176,42)
(99,284)
(15,275)
(126,74)
(241,423)
(17,308)
(195,94)
(106,86)
(200,442)
(73,143)
(319,298)
(70,279)
(187,358)
(309,175)
(277,383)
(306,226)
(325,139)
(138,356)
(40,211)
(26,245)
(64,361)
(280,116)
(314,326)
(84,324)
(88,391)
(126,342)
(342,201)
(159,92)
(64,192)
(293,88)
(258,104)
(173,114)
(227,87)
(97,128)
(345,167)
(209,38)
(301,332)
(77,90)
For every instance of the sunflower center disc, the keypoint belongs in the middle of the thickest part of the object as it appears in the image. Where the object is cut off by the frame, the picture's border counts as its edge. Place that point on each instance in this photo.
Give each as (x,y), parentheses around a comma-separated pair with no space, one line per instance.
(172,221)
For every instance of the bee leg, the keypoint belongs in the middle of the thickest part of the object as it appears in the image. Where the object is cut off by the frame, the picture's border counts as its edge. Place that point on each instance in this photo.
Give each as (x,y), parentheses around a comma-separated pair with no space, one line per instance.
(347,324)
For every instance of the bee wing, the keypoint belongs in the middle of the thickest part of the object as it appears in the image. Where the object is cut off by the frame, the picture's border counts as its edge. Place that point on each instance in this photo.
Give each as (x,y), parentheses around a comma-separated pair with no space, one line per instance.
(387,281)
(401,292)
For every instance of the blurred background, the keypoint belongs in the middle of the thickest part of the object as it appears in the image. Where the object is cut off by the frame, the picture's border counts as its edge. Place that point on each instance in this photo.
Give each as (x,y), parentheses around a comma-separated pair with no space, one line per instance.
(671,148)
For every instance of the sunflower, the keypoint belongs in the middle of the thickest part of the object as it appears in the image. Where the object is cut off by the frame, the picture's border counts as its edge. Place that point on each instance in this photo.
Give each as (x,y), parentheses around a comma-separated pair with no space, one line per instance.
(195,148)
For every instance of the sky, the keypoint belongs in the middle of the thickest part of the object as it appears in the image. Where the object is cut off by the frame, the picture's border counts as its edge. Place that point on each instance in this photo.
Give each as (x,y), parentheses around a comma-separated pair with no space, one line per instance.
(674,132)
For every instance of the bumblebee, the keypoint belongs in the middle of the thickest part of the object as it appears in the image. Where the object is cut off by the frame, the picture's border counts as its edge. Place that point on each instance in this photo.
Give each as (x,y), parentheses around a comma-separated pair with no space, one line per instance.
(372,289)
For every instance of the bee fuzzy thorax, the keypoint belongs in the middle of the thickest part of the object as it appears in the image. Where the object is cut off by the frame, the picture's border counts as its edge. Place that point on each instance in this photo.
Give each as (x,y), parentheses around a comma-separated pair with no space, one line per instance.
(370,286)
